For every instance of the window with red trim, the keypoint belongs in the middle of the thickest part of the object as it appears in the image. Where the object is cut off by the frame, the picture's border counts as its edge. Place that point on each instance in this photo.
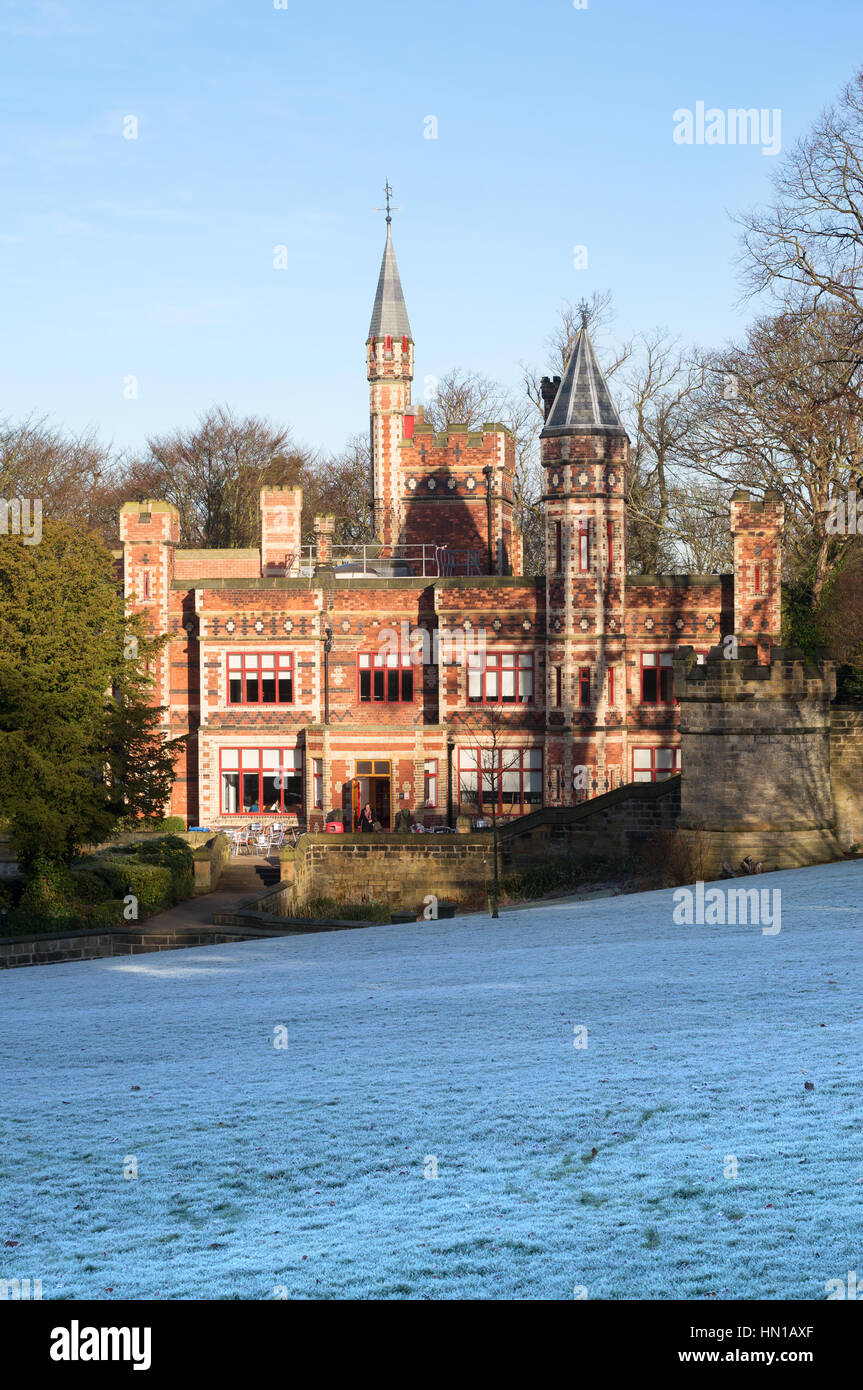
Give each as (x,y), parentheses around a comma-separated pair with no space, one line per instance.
(584,686)
(654,764)
(500,678)
(758,579)
(255,780)
(558,543)
(145,583)
(384,678)
(609,532)
(657,678)
(510,778)
(558,686)
(611,685)
(260,678)
(583,546)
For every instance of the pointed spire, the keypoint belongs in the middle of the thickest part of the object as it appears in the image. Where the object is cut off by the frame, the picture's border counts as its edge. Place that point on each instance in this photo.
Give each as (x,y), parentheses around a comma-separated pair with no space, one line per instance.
(389,314)
(583,404)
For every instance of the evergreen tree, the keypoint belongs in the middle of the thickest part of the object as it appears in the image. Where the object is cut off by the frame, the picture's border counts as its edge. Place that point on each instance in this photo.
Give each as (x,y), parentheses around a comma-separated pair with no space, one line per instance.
(79,746)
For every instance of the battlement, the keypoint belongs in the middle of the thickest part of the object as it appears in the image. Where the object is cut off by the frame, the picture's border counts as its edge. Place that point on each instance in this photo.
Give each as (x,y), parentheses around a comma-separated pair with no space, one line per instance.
(150,520)
(748,512)
(728,679)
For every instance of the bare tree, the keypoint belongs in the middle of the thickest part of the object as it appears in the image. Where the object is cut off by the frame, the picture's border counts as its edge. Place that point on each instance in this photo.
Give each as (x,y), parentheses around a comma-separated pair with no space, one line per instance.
(72,475)
(807,248)
(487,731)
(784,410)
(214,472)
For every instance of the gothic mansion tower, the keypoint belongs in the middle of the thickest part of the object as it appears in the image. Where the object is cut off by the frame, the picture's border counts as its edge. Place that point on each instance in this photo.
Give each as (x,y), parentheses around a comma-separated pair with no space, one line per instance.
(309,678)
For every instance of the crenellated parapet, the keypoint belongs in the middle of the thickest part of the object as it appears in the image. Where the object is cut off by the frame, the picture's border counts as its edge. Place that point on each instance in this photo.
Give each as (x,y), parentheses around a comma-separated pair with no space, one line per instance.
(755,745)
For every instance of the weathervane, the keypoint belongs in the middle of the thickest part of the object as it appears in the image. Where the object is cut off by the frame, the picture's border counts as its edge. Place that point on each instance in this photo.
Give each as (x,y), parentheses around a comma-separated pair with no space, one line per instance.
(388,210)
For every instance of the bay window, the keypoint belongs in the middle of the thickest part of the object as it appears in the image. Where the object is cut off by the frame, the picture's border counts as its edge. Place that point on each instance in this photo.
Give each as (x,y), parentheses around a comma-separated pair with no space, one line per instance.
(254,780)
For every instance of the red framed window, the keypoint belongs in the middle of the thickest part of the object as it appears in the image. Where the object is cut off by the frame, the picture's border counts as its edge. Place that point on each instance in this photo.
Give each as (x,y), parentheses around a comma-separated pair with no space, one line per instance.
(611,685)
(657,678)
(609,532)
(558,543)
(757,579)
(255,780)
(558,686)
(654,764)
(145,583)
(584,686)
(500,678)
(511,778)
(260,678)
(583,546)
(384,678)
(430,783)
(318,782)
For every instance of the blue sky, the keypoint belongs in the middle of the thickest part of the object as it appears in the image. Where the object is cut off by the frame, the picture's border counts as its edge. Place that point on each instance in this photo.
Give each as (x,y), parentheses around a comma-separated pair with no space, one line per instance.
(261,127)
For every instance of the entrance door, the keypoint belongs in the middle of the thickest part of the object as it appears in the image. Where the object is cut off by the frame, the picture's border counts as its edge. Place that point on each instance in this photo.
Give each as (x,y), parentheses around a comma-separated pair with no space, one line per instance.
(372,785)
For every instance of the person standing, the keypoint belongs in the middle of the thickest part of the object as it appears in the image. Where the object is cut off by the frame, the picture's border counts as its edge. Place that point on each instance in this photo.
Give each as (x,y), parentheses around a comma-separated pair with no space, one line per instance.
(367,818)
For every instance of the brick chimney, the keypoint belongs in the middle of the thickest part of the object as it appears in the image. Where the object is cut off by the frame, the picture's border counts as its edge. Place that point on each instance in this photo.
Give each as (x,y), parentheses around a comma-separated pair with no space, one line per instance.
(548,390)
(325,527)
(756,529)
(281,535)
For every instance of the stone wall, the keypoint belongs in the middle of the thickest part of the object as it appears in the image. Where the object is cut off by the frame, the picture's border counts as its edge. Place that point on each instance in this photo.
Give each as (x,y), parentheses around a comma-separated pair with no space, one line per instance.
(613,826)
(846,773)
(55,948)
(756,745)
(402,870)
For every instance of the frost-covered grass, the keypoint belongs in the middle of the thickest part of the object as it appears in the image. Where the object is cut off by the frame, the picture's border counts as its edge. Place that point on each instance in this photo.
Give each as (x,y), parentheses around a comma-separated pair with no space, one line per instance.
(303,1168)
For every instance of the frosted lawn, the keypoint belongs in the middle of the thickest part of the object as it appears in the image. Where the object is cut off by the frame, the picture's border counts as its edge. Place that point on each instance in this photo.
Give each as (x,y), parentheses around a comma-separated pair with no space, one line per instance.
(303,1169)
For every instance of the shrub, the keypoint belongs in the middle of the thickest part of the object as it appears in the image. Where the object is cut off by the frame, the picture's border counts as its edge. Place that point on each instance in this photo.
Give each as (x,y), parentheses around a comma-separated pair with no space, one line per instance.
(555,874)
(670,859)
(88,886)
(50,890)
(170,825)
(152,884)
(323,907)
(107,914)
(175,854)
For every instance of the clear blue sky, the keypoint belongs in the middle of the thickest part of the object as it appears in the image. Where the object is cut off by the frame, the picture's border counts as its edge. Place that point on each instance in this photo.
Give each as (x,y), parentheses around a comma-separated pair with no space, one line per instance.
(261,127)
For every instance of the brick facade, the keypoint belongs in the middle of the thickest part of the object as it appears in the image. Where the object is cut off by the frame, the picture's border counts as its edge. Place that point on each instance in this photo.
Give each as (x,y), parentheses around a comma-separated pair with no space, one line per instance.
(291,674)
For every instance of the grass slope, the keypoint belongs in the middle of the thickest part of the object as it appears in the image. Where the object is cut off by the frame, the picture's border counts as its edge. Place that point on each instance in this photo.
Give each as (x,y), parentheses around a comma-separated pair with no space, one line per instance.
(302,1169)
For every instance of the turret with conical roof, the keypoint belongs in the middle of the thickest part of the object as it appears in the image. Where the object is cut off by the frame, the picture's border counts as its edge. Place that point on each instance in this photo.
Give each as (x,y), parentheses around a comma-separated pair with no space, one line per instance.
(583,403)
(585,453)
(390,368)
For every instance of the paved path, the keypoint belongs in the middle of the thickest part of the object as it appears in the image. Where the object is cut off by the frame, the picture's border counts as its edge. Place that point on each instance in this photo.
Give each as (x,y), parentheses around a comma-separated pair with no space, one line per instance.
(242,877)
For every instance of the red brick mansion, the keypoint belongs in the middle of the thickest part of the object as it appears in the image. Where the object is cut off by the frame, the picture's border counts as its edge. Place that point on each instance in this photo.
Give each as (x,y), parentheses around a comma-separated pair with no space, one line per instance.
(427,672)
